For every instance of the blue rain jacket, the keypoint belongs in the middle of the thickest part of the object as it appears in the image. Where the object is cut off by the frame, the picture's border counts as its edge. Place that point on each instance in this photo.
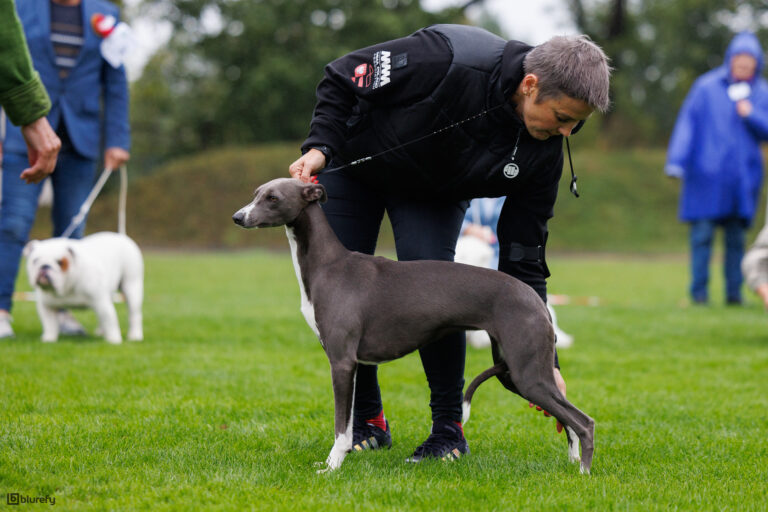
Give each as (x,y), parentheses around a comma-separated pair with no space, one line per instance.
(715,151)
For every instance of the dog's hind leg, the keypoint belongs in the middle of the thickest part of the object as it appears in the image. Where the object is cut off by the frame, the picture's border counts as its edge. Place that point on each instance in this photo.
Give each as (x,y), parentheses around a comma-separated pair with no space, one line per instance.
(134,297)
(531,372)
(578,426)
(343,374)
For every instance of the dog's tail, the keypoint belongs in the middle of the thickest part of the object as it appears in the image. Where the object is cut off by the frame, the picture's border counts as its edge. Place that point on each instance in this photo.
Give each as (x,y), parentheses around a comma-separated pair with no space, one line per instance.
(494,370)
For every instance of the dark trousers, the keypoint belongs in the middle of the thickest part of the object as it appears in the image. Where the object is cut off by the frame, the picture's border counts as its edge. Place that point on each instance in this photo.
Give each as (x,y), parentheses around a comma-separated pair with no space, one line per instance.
(702,234)
(424,230)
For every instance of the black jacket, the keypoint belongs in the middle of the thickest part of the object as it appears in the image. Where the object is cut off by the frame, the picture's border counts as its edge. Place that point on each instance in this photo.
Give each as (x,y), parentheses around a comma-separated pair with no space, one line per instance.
(377,98)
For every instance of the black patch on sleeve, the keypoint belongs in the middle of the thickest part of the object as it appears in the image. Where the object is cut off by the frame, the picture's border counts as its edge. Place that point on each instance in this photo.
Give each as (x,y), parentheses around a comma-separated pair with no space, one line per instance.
(400,61)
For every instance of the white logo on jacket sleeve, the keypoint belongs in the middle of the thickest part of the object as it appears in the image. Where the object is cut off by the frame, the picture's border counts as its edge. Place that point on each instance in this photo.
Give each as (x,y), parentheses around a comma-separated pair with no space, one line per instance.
(382,67)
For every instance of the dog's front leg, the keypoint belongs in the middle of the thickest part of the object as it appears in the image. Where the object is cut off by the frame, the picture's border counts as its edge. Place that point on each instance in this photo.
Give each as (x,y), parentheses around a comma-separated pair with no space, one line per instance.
(105,310)
(343,376)
(50,322)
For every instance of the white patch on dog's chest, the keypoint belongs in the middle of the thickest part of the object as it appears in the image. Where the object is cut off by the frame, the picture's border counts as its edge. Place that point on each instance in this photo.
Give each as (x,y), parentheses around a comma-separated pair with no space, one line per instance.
(306,306)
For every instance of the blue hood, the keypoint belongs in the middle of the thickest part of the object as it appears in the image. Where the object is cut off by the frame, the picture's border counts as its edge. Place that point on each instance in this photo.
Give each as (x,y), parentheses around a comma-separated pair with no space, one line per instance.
(744,42)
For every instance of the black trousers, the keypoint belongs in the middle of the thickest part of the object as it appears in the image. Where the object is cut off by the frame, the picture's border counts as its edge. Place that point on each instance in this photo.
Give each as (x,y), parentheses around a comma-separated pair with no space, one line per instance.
(423,229)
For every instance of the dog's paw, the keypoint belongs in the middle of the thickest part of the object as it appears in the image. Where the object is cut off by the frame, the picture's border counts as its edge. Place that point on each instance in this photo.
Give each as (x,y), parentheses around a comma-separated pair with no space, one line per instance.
(112,340)
(49,339)
(324,467)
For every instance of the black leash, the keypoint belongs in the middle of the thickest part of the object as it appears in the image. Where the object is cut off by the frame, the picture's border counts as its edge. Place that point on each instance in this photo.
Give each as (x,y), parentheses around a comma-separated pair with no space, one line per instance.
(414,141)
(441,130)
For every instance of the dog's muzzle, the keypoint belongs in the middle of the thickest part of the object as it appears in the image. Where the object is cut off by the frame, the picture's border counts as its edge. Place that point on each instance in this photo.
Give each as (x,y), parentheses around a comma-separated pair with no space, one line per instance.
(239,218)
(43,279)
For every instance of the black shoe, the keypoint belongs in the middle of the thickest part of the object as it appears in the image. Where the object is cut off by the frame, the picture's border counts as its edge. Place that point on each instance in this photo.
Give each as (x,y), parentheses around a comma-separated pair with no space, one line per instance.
(367,436)
(446,442)
(734,301)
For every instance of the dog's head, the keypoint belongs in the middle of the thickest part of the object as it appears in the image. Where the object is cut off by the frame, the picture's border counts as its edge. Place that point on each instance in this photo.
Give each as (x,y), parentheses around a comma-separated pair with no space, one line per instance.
(278,202)
(50,264)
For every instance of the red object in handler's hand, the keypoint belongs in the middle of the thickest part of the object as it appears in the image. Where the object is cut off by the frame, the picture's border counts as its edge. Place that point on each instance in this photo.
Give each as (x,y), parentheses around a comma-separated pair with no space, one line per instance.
(103,25)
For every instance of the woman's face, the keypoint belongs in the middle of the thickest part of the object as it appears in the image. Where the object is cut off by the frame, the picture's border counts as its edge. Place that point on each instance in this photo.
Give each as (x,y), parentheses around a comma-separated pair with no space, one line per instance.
(552,116)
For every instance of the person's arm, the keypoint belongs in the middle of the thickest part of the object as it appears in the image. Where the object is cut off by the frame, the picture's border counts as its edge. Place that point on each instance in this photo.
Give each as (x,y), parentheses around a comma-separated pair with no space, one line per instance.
(23,97)
(523,221)
(42,149)
(683,136)
(400,71)
(755,115)
(22,94)
(117,131)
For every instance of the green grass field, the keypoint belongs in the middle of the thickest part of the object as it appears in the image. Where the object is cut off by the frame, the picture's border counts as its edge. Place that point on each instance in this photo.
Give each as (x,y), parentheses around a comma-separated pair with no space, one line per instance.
(227,403)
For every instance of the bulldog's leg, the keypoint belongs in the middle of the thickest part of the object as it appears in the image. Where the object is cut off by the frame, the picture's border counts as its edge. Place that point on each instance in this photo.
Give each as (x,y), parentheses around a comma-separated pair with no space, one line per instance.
(105,310)
(50,321)
(134,296)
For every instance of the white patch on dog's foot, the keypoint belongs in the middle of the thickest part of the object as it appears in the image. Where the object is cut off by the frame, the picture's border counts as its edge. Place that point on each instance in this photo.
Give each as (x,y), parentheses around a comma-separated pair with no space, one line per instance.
(584,470)
(573,446)
(341,447)
(343,443)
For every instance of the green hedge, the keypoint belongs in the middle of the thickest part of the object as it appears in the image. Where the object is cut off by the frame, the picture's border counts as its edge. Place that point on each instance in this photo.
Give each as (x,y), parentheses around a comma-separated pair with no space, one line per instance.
(626,203)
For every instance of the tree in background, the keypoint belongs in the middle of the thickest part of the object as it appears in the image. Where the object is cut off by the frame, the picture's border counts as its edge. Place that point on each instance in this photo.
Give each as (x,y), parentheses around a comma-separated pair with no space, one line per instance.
(243,72)
(659,48)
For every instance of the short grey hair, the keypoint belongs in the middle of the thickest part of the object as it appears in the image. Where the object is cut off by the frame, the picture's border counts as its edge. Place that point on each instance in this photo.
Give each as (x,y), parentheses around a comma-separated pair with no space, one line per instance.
(574,66)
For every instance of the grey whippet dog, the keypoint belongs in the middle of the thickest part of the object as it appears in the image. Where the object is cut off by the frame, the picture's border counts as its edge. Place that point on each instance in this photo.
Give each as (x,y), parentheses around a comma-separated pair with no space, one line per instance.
(368,310)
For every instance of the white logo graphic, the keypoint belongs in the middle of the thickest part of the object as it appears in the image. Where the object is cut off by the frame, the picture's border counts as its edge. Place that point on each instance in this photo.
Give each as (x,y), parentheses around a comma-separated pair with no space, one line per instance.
(382,67)
(511,170)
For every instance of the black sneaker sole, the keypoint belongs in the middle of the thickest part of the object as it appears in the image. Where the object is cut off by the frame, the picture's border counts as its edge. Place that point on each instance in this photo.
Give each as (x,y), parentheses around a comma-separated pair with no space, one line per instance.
(454,454)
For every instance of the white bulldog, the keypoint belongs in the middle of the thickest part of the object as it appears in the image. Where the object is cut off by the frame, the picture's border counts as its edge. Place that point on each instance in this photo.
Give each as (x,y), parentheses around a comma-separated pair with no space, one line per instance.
(86,272)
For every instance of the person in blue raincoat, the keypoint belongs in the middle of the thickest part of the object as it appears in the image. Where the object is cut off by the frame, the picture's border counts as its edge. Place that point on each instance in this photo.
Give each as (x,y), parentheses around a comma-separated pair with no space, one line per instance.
(715,151)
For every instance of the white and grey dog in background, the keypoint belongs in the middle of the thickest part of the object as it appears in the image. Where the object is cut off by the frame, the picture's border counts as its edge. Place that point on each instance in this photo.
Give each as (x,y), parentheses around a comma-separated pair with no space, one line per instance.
(85,273)
(471,250)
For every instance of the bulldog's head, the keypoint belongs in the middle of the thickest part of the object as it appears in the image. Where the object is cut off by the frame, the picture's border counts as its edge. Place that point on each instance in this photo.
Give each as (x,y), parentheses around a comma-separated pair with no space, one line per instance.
(50,264)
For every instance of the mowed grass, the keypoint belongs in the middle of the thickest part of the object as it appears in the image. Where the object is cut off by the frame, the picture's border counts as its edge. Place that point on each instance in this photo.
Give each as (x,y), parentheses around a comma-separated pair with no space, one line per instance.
(227,403)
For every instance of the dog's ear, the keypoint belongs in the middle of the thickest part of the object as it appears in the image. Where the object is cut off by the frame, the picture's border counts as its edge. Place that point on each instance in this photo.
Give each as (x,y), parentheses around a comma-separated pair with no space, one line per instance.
(29,247)
(314,192)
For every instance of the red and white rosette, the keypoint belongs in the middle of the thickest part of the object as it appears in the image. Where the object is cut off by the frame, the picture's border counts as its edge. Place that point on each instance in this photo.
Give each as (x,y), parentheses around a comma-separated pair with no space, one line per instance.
(103,25)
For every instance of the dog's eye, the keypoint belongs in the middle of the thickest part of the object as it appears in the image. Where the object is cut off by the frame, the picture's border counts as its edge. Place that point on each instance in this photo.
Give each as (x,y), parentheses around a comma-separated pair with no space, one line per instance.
(272,199)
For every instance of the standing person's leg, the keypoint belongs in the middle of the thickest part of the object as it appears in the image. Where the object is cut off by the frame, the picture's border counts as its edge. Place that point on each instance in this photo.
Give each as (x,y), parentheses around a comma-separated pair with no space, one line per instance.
(427,230)
(734,252)
(355,212)
(72,182)
(17,215)
(701,234)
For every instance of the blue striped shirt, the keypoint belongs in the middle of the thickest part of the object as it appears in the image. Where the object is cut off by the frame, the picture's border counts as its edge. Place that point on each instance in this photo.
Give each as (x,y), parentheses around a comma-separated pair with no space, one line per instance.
(66,36)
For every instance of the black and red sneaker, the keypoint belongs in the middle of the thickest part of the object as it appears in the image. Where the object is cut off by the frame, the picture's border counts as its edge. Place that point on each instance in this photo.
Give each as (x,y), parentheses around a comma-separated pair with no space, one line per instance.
(445,442)
(367,436)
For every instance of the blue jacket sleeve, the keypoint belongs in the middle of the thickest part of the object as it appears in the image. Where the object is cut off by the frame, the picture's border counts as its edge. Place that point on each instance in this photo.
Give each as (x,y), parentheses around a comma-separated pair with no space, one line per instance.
(681,142)
(116,125)
(757,120)
(117,131)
